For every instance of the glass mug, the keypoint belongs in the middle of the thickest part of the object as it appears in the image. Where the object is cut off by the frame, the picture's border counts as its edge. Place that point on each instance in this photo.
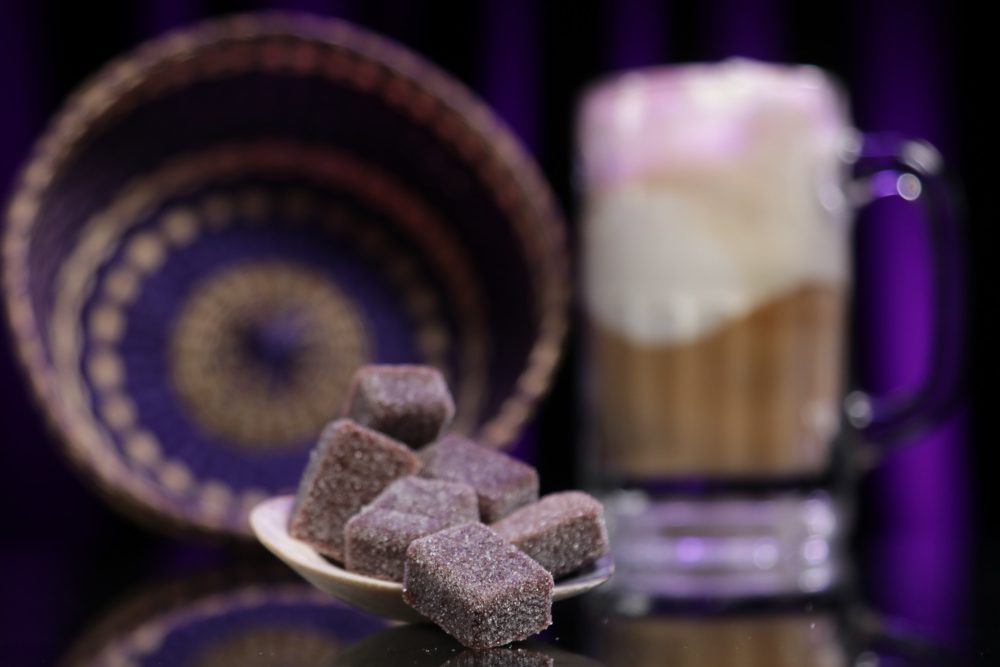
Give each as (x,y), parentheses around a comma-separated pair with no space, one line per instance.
(718,202)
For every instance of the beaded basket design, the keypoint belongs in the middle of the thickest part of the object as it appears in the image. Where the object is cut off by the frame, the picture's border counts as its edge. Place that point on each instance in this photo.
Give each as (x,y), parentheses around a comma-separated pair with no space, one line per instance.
(219,227)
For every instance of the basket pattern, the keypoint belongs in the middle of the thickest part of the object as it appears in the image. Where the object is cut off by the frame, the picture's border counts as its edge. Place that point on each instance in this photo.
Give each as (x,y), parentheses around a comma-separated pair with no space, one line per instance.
(221,226)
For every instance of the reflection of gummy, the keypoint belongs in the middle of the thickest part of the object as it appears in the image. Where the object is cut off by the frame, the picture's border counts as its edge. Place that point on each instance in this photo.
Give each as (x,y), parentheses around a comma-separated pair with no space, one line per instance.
(413,645)
(501,657)
(428,646)
(269,647)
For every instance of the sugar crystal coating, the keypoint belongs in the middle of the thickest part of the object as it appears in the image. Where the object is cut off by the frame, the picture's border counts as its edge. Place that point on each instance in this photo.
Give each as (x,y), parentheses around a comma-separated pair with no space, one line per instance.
(478,587)
(502,483)
(409,403)
(562,532)
(348,468)
(376,541)
(452,502)
(409,508)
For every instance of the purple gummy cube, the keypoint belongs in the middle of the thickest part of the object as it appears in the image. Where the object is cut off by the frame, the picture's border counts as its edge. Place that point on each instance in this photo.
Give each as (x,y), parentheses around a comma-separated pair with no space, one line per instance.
(502,483)
(409,508)
(409,403)
(562,531)
(376,541)
(452,502)
(348,468)
(480,588)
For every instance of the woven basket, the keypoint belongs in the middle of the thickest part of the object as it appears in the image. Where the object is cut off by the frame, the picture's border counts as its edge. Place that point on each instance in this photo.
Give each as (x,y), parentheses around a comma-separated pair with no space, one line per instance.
(219,227)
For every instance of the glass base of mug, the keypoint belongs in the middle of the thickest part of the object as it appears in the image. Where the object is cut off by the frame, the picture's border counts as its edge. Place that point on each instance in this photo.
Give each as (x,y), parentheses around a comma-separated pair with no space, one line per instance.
(725,547)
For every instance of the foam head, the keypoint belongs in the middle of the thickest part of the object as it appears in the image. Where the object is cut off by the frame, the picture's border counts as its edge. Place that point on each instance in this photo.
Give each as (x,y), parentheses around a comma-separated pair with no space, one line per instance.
(710,190)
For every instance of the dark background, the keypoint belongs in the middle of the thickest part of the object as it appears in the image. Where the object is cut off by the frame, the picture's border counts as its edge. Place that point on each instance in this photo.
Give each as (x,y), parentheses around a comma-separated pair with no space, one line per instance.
(921,68)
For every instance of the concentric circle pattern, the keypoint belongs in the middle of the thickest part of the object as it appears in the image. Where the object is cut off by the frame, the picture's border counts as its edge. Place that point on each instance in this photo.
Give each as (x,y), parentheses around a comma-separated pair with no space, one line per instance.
(221,226)
(261,352)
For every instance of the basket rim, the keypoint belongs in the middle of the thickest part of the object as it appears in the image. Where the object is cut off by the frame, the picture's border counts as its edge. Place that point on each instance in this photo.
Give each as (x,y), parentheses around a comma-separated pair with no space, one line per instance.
(97,96)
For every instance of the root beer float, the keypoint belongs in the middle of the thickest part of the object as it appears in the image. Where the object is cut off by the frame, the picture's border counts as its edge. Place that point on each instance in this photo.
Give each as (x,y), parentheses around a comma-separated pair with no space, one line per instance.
(716,265)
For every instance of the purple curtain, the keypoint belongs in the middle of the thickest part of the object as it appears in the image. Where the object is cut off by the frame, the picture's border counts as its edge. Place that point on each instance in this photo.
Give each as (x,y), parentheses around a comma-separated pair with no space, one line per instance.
(905,83)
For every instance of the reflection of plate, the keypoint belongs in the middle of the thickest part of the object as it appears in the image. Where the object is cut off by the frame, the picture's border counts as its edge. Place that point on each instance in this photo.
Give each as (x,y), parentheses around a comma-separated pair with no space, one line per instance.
(425,645)
(245,621)
(270,523)
(221,226)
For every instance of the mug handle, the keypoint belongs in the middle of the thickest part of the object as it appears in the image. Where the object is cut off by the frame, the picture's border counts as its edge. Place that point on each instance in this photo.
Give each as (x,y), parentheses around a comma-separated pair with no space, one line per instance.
(890,166)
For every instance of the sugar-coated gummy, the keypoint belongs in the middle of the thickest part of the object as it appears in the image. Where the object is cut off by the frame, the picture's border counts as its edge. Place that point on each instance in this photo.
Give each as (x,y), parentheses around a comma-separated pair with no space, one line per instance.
(477,586)
(453,502)
(407,402)
(562,531)
(347,469)
(377,539)
(502,483)
(410,507)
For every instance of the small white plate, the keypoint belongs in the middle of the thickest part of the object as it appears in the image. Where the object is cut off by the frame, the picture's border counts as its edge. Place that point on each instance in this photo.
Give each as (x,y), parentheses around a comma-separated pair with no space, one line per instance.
(269,521)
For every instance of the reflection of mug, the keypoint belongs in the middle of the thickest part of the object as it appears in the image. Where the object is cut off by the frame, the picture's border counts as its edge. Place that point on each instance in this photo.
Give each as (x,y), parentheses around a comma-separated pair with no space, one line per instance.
(781,640)
(822,631)
(718,202)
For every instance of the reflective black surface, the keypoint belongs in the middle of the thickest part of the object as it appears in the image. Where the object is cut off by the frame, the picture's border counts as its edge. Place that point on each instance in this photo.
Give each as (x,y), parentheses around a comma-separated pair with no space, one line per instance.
(249,611)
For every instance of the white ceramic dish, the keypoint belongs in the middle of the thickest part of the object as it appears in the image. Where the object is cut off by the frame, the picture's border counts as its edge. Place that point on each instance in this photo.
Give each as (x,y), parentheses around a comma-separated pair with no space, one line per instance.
(269,521)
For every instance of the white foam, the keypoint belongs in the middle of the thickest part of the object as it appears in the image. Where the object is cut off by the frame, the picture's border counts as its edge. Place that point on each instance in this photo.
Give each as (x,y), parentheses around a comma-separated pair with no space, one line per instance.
(711,189)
